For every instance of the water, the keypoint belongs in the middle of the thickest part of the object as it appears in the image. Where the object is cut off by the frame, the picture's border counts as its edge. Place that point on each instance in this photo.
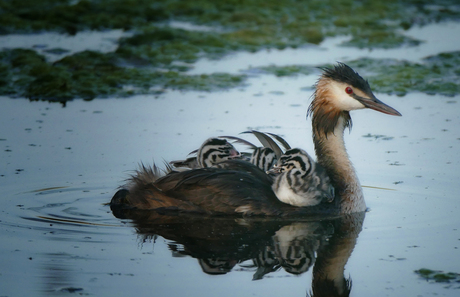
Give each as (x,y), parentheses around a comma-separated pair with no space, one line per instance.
(55,46)
(61,165)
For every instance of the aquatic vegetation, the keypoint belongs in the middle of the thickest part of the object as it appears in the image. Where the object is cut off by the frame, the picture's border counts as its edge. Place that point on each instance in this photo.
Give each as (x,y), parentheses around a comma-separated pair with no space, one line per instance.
(287,70)
(157,56)
(253,22)
(438,276)
(162,46)
(380,39)
(91,74)
(438,74)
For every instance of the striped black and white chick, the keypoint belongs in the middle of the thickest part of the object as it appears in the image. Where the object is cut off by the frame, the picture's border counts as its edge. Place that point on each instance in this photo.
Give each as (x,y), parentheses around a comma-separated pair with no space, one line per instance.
(300,181)
(213,151)
(267,156)
(263,157)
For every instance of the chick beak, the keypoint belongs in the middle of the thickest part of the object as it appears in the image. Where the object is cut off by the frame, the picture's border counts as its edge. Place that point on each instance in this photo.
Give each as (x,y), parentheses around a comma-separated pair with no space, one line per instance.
(234,154)
(274,170)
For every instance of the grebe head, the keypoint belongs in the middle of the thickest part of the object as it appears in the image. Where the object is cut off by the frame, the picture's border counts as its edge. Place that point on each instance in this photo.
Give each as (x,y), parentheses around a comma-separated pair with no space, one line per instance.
(339,90)
(214,151)
(294,158)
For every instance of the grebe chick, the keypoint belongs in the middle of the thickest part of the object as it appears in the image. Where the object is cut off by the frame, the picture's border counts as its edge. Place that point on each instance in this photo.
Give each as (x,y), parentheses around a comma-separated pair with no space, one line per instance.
(263,157)
(300,181)
(266,156)
(217,191)
(213,151)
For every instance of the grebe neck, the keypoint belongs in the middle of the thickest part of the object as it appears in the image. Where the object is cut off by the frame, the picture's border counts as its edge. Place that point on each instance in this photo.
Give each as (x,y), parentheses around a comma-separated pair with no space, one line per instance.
(331,153)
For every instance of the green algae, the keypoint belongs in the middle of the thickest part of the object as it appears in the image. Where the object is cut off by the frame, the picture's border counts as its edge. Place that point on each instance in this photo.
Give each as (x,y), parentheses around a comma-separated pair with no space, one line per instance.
(68,16)
(380,39)
(160,47)
(290,70)
(438,74)
(249,23)
(156,57)
(437,276)
(92,74)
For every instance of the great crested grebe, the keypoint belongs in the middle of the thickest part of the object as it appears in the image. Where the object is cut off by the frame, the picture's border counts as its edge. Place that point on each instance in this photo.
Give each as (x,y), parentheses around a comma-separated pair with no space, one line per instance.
(217,191)
(301,182)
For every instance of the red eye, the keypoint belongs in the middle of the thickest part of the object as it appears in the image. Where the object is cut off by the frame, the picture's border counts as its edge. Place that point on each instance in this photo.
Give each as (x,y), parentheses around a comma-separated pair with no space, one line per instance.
(349,90)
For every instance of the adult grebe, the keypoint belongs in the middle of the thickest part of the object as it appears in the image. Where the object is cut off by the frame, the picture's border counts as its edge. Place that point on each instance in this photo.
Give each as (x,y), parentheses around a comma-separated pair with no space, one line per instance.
(218,191)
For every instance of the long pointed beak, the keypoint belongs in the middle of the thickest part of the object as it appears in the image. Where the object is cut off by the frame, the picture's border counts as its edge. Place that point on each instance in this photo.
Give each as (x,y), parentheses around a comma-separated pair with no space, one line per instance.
(376,104)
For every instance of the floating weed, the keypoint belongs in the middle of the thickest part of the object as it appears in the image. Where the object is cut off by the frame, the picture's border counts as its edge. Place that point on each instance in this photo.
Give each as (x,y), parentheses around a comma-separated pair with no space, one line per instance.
(161,47)
(376,136)
(438,74)
(438,276)
(204,82)
(156,57)
(305,20)
(380,39)
(286,70)
(91,74)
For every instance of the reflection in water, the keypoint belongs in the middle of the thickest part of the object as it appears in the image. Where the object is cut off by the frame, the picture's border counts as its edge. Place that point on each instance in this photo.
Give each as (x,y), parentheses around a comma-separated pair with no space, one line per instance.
(220,243)
(57,277)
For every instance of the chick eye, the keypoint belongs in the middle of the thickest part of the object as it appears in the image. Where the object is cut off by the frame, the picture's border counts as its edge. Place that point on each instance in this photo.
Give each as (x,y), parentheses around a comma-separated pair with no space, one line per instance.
(349,90)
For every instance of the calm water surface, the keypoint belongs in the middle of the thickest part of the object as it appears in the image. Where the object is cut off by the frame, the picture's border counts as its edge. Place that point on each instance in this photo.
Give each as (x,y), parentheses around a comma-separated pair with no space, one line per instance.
(62,164)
